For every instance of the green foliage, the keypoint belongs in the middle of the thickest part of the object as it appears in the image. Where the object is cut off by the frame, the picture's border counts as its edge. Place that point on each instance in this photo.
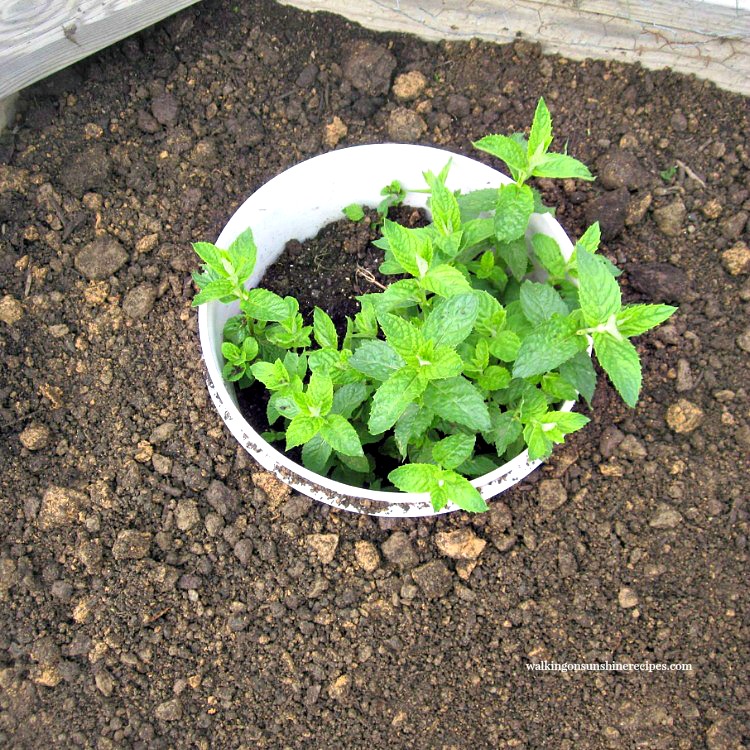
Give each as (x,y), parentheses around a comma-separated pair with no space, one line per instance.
(459,366)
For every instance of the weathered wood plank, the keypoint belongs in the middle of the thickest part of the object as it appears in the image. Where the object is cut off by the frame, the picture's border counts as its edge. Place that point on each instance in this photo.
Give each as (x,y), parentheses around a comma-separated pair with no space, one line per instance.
(690,36)
(40,37)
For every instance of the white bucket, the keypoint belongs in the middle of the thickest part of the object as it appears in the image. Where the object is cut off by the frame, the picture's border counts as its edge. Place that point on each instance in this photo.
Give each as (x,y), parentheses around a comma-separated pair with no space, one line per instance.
(296,205)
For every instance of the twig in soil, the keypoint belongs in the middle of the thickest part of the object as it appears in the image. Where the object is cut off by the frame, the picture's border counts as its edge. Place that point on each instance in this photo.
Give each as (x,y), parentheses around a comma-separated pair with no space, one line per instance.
(368,277)
(148,619)
(689,172)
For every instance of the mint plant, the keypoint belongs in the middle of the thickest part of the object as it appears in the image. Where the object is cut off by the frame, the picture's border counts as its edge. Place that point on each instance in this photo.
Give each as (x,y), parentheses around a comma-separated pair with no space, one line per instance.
(464,360)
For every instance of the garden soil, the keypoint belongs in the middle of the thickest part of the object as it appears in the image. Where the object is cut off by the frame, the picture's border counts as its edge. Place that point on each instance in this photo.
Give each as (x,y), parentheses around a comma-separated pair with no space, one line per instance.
(158,590)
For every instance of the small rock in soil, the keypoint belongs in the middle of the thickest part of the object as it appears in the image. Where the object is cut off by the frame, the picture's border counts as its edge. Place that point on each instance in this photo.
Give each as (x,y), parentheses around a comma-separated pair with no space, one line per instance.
(334,132)
(139,302)
(246,131)
(684,416)
(367,556)
(610,210)
(743,340)
(661,282)
(733,226)
(458,105)
(666,517)
(170,710)
(35,436)
(627,598)
(131,545)
(566,561)
(276,490)
(11,310)
(405,126)
(619,169)
(736,260)
(433,578)
(398,550)
(60,507)
(368,67)
(685,381)
(552,494)
(243,550)
(161,433)
(610,440)
(296,507)
(632,448)
(323,545)
(637,208)
(408,86)
(87,170)
(339,688)
(724,734)
(104,682)
(187,515)
(101,258)
(147,122)
(712,209)
(670,218)
(499,516)
(165,108)
(462,544)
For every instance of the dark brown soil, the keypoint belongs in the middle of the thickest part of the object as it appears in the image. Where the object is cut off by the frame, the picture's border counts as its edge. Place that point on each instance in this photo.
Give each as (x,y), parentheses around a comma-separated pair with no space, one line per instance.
(157,591)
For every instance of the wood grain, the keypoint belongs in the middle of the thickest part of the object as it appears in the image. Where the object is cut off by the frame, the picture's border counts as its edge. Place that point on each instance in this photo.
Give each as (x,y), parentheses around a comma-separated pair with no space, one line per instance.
(689,36)
(39,37)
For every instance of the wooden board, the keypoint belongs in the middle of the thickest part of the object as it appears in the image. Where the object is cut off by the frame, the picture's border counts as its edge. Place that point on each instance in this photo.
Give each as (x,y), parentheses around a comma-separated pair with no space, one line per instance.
(39,37)
(690,36)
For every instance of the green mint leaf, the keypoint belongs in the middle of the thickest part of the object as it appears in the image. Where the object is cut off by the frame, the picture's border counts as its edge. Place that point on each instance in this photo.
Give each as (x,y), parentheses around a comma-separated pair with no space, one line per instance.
(475,203)
(533,403)
(475,231)
(558,388)
(598,291)
(541,132)
(539,444)
(515,204)
(402,335)
(415,477)
(457,400)
(231,353)
(319,394)
(243,254)
(562,166)
(214,290)
(341,436)
(547,347)
(591,238)
(477,466)
(549,254)
(272,375)
(444,362)
(516,256)
(413,423)
(494,378)
(507,150)
(491,315)
(249,349)
(451,320)
(460,491)
(540,302)
(579,372)
(348,398)
(397,296)
(315,454)
(353,212)
(392,398)
(445,281)
(324,330)
(620,361)
(446,215)
(358,464)
(263,304)
(505,430)
(633,320)
(566,421)
(505,346)
(301,429)
(412,250)
(212,257)
(376,359)
(452,451)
